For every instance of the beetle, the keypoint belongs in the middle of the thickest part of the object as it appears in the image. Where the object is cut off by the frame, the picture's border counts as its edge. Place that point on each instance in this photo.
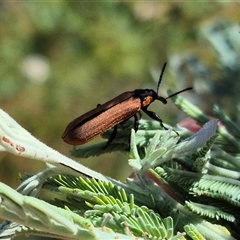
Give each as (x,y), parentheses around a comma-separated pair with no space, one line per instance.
(108,115)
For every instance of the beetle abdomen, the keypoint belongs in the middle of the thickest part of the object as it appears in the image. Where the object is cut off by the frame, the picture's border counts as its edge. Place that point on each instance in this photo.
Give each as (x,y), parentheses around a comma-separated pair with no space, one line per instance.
(103,122)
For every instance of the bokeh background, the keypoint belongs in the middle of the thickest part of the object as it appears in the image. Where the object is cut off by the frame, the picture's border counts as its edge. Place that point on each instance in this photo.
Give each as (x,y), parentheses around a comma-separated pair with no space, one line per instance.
(60,59)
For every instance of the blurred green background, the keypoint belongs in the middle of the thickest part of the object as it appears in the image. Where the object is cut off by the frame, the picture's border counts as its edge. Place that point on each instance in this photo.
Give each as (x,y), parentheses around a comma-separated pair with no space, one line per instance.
(60,59)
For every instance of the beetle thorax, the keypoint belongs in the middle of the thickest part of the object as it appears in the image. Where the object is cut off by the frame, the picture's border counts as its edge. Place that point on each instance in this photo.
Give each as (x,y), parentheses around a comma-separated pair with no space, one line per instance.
(147,96)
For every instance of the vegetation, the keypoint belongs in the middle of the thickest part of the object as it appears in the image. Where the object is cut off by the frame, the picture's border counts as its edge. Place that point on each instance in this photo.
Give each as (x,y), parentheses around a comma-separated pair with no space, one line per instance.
(60,59)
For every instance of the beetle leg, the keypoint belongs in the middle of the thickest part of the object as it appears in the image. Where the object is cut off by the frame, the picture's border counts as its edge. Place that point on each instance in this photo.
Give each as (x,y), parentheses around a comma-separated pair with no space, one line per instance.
(112,136)
(136,122)
(154,116)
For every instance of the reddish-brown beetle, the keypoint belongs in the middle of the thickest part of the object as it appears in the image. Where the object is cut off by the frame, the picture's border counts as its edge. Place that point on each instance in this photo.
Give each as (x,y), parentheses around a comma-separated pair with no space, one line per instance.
(108,115)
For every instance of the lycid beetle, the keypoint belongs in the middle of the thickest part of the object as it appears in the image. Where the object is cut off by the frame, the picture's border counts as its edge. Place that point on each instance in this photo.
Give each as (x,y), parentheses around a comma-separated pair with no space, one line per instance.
(108,115)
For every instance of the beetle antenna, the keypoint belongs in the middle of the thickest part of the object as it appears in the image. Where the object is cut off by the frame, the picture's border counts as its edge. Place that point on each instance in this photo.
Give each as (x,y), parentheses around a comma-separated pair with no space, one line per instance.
(176,93)
(161,75)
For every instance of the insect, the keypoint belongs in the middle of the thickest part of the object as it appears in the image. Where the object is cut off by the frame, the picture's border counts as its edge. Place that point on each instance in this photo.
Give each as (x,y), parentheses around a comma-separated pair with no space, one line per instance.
(108,115)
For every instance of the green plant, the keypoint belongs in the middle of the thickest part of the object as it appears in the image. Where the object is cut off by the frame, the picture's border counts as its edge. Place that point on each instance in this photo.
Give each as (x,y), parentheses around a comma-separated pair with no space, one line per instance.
(184,186)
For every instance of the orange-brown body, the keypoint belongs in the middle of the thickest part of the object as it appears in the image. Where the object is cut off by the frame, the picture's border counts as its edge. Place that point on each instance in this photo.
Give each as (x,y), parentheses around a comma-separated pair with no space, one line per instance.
(104,117)
(103,122)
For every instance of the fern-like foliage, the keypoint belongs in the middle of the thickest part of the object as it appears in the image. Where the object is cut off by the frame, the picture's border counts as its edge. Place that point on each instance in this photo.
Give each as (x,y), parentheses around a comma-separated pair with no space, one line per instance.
(210,211)
(153,205)
(110,206)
